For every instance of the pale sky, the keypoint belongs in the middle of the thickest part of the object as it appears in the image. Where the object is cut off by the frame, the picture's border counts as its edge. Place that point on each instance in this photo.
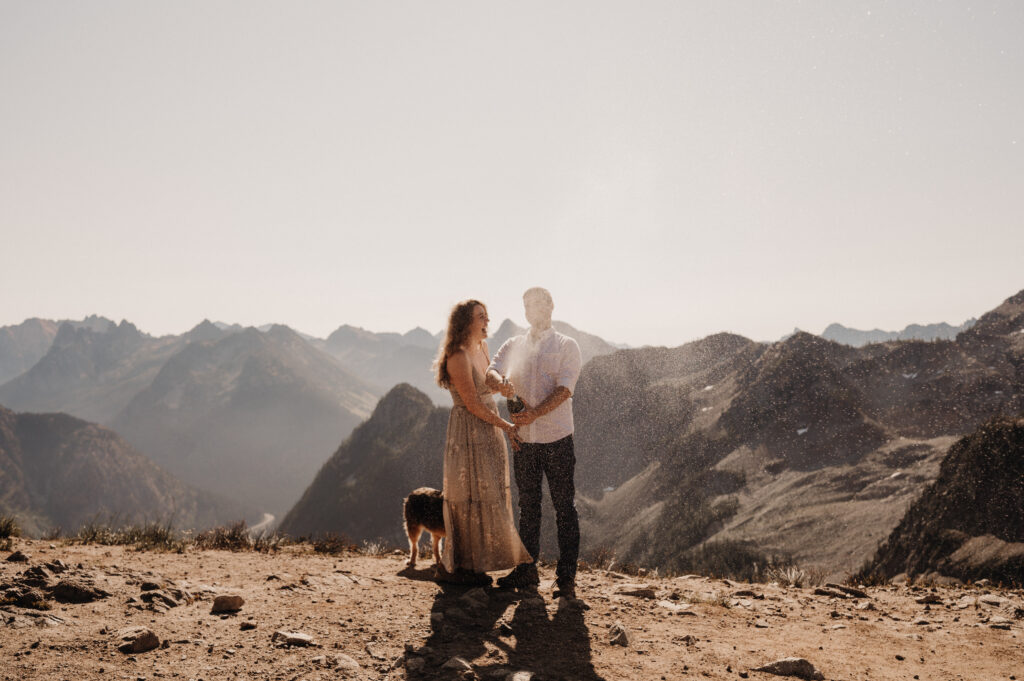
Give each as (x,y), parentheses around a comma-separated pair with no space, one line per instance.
(667,169)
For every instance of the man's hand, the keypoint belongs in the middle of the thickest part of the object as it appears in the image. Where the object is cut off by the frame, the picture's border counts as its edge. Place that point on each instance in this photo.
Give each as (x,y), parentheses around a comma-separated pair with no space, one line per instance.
(506,388)
(525,417)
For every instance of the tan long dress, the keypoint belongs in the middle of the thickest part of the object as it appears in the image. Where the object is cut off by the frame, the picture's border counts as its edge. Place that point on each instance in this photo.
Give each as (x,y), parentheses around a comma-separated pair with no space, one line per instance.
(481,535)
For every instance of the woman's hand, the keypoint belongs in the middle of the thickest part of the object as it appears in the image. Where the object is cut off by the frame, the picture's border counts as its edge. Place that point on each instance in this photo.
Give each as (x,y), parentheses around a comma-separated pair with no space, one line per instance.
(509,428)
(514,440)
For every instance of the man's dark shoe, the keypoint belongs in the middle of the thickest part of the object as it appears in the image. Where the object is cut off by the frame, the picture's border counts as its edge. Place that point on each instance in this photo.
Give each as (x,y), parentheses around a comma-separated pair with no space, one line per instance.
(523,576)
(565,590)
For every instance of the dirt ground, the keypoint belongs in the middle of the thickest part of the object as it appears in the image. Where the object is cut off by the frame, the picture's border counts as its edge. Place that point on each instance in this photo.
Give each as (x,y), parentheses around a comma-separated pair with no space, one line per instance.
(371,618)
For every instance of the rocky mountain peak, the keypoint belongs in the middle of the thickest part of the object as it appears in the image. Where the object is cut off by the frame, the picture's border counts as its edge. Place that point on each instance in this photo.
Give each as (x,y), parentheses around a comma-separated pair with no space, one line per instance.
(1004,320)
(204,331)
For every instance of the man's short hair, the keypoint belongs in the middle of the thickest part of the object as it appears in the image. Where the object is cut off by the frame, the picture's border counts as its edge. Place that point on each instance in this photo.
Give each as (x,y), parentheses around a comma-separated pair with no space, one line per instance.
(538,292)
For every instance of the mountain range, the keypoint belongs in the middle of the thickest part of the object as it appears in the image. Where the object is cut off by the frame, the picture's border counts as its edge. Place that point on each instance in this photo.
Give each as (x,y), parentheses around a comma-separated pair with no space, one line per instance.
(926,332)
(247,413)
(804,448)
(23,345)
(61,472)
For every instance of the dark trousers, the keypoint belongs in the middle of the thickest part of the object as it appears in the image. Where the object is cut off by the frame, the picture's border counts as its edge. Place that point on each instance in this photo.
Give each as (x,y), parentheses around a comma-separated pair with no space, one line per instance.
(557,461)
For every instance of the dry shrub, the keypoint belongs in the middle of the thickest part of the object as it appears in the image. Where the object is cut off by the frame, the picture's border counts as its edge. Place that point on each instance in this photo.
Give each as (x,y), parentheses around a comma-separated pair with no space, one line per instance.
(148,536)
(9,527)
(334,544)
(377,547)
(235,537)
(601,558)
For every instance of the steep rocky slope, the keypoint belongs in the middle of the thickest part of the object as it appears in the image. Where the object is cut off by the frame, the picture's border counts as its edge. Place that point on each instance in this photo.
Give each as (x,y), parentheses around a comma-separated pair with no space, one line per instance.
(631,404)
(251,415)
(805,448)
(59,471)
(969,523)
(359,491)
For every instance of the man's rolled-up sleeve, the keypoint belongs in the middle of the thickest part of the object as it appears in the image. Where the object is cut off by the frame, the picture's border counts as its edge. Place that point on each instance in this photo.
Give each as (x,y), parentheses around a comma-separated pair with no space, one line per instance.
(569,369)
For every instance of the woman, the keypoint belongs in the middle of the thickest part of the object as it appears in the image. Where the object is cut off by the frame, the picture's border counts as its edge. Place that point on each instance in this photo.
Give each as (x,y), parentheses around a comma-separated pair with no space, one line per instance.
(480,533)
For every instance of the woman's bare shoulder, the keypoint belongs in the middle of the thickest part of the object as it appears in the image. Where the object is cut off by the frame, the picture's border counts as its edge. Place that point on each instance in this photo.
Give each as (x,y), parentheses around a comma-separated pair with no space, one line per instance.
(458,358)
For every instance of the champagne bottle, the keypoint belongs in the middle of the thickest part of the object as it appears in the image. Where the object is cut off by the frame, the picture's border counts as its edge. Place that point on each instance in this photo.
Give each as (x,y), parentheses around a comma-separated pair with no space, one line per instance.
(515,404)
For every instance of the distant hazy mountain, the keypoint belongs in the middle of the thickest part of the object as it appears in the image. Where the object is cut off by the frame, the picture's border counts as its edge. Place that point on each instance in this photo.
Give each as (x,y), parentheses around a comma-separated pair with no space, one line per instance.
(251,414)
(59,471)
(970,522)
(928,332)
(359,491)
(384,360)
(23,345)
(91,374)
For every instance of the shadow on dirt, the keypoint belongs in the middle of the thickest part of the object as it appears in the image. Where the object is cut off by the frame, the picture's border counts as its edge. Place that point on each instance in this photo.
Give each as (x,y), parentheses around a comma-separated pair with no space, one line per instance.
(492,624)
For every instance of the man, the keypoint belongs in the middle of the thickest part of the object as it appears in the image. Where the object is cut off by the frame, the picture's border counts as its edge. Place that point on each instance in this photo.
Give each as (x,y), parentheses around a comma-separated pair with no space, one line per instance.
(542,367)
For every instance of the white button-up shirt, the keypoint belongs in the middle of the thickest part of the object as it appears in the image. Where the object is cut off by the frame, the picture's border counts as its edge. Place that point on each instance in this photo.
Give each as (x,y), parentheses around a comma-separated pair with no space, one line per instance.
(536,365)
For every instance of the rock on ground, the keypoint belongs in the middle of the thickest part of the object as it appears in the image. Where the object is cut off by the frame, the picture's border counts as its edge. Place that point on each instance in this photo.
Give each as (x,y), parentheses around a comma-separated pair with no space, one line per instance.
(617,635)
(793,666)
(458,664)
(227,603)
(76,591)
(292,638)
(137,640)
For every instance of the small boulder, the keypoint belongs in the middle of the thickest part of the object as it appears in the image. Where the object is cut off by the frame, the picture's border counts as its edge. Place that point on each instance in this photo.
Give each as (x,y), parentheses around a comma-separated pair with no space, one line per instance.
(1000,623)
(793,666)
(519,676)
(830,592)
(415,664)
(341,662)
(57,566)
(677,608)
(36,575)
(227,603)
(247,626)
(17,557)
(458,664)
(636,590)
(848,590)
(292,638)
(26,597)
(77,591)
(617,635)
(137,640)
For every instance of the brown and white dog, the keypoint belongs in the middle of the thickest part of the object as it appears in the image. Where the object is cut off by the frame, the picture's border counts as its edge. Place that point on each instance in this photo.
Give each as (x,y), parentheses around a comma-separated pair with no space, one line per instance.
(424,510)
